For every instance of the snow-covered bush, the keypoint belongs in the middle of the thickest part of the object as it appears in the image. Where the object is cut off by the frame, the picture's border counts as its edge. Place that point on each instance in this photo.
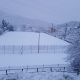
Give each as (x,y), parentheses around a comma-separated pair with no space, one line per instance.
(46,76)
(67,77)
(10,28)
(5,26)
(40,76)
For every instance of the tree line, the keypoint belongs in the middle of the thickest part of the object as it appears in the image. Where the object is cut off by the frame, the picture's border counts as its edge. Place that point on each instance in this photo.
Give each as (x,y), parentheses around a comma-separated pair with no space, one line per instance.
(74,53)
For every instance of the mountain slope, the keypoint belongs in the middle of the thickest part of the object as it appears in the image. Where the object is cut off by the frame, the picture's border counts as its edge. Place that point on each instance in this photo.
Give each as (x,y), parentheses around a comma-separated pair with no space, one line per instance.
(68,31)
(19,21)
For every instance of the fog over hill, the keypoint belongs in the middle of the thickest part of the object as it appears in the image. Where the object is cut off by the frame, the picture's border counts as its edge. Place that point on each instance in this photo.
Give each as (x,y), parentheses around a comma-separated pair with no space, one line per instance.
(53,11)
(67,31)
(19,20)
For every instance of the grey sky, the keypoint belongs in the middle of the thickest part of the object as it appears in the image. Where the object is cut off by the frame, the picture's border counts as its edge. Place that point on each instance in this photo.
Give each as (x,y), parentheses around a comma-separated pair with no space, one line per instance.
(56,11)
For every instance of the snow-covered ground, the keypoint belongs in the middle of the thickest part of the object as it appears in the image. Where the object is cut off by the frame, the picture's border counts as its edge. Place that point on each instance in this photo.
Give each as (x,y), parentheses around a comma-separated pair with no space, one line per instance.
(30,42)
(41,76)
(30,39)
(15,60)
(31,59)
(48,76)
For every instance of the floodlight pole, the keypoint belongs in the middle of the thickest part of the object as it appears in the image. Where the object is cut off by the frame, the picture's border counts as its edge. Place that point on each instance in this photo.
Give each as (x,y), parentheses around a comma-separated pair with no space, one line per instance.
(38,42)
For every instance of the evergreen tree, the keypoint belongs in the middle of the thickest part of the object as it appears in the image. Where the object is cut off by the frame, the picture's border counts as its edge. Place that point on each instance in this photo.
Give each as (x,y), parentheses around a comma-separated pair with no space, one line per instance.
(4,25)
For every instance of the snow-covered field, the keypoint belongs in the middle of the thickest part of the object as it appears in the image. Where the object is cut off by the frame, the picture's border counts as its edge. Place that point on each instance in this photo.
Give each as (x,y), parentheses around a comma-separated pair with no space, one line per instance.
(31,59)
(15,60)
(30,42)
(10,54)
(19,39)
(48,76)
(30,38)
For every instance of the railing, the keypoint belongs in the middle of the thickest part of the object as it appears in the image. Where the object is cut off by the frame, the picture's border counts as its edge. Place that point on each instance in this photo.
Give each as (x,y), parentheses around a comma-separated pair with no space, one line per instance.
(34,69)
(31,49)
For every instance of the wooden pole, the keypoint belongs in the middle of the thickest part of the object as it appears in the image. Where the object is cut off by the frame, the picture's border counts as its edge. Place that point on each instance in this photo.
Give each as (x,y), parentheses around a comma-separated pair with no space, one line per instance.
(6,72)
(39,42)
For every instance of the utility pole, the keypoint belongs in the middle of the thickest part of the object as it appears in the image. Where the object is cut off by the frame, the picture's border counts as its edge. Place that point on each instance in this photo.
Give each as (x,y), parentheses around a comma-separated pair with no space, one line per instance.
(52,29)
(65,33)
(39,42)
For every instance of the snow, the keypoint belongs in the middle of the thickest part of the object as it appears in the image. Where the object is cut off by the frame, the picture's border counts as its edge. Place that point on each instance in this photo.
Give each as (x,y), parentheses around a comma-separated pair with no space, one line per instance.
(31,59)
(19,38)
(48,76)
(29,38)
(46,39)
(41,76)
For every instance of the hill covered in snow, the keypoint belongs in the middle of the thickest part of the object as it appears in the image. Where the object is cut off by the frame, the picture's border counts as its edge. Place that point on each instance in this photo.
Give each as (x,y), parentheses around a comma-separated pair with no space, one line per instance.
(19,21)
(68,31)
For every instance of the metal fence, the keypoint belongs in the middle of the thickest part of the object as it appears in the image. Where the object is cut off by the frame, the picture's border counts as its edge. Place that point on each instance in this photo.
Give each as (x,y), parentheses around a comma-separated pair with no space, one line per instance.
(9,49)
(34,69)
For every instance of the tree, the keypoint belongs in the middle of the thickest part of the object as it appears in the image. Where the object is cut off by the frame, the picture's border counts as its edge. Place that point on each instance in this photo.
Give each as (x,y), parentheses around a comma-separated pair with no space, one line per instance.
(74,55)
(78,26)
(65,33)
(1,31)
(10,28)
(4,25)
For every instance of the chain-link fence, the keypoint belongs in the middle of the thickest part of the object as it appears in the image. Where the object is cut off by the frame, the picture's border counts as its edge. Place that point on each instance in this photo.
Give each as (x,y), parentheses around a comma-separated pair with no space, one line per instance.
(31,49)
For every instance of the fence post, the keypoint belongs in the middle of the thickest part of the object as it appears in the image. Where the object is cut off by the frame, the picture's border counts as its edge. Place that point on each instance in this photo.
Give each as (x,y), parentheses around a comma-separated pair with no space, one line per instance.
(37,69)
(21,49)
(39,43)
(22,70)
(6,72)
(4,49)
(27,68)
(64,69)
(13,48)
(51,69)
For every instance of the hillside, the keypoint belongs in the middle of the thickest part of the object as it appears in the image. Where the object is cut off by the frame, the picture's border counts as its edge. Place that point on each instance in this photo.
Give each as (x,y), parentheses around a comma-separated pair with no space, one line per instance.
(67,31)
(19,21)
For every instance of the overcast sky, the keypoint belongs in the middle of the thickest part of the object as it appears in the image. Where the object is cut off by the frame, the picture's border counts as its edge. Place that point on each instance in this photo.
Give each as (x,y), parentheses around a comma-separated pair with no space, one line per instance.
(56,11)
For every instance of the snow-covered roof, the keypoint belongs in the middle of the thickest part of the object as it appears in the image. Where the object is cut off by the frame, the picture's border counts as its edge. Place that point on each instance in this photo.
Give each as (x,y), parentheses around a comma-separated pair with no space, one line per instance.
(29,38)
